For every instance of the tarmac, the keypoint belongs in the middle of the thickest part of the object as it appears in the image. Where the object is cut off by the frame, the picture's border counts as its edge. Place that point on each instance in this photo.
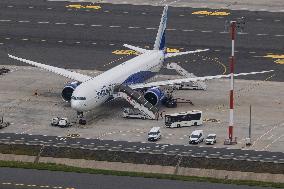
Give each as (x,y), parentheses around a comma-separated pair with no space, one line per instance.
(31,113)
(89,39)
(259,5)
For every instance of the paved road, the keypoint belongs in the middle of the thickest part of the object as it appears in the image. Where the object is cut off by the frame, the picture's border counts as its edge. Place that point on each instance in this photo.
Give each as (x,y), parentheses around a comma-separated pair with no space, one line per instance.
(82,38)
(13,179)
(184,150)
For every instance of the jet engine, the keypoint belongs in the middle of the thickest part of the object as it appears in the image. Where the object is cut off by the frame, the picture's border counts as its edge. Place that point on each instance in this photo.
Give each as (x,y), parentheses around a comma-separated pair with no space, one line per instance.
(68,90)
(154,95)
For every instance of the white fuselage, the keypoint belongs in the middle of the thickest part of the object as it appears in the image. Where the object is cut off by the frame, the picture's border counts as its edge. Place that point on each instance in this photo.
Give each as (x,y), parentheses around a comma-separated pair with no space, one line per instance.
(96,91)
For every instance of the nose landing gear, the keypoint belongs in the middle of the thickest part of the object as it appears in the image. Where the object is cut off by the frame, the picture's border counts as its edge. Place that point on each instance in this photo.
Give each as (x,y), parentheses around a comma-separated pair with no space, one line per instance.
(82,120)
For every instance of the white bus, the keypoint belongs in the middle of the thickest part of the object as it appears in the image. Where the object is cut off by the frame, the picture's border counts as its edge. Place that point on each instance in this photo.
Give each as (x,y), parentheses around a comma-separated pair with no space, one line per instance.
(184,119)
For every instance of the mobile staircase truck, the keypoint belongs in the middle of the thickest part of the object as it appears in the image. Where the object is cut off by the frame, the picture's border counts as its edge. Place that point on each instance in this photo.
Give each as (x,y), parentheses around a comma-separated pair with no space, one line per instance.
(137,100)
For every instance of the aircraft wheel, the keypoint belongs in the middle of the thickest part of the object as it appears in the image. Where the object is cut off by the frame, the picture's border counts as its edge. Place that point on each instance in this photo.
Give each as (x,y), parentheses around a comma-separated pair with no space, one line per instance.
(82,122)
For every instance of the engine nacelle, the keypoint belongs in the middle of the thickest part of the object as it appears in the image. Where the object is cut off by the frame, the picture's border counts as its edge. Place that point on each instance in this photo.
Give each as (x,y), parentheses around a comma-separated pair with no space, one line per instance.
(68,90)
(154,95)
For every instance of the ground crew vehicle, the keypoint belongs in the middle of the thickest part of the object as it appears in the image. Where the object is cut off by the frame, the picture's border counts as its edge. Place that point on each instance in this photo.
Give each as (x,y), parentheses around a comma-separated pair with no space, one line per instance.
(154,134)
(184,119)
(196,137)
(133,113)
(211,139)
(60,122)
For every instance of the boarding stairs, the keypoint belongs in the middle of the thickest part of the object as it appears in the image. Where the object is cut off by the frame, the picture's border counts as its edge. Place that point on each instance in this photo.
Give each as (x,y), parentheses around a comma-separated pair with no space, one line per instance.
(197,85)
(137,100)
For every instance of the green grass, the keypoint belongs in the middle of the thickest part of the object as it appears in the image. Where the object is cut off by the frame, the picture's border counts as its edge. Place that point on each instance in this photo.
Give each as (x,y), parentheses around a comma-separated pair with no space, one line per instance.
(65,168)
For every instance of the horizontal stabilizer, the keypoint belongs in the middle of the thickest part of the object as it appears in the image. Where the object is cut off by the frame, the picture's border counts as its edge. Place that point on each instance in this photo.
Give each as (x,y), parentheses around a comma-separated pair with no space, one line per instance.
(168,55)
(137,49)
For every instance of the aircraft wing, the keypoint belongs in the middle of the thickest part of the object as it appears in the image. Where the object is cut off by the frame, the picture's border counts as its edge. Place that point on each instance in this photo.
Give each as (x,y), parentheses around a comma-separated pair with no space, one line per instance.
(59,71)
(184,80)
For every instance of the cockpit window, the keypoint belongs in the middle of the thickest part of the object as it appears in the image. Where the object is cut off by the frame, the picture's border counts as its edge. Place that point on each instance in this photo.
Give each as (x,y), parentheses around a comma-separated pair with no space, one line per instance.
(78,98)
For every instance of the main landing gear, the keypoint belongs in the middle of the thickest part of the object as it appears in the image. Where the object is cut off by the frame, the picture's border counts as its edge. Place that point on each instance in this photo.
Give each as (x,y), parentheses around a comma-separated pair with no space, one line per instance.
(82,120)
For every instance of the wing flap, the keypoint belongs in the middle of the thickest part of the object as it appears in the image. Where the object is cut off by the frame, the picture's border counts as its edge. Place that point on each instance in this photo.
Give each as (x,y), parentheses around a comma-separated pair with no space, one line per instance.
(59,71)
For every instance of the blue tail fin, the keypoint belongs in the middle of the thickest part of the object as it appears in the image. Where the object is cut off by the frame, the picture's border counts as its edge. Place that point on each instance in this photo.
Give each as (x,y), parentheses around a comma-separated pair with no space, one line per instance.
(161,35)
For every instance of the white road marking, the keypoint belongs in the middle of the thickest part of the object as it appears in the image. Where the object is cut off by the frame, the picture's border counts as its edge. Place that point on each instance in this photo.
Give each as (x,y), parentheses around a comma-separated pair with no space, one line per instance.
(217,50)
(242,33)
(94,43)
(171,29)
(77,42)
(206,31)
(31,7)
(25,39)
(59,41)
(114,26)
(79,24)
(259,19)
(42,22)
(150,28)
(277,20)
(144,13)
(181,15)
(94,25)
(270,137)
(262,9)
(125,12)
(106,11)
(272,143)
(133,27)
(1,43)
(188,30)
(279,35)
(111,44)
(5,20)
(261,34)
(43,40)
(49,8)
(220,17)
(7,38)
(252,52)
(23,21)
(10,6)
(60,23)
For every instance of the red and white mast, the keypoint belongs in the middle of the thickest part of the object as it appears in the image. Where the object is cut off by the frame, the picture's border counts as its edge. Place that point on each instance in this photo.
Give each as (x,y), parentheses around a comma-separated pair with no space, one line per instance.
(232,66)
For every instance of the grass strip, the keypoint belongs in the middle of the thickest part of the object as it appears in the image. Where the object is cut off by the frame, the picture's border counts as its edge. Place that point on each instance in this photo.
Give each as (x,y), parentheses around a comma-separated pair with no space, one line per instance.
(65,168)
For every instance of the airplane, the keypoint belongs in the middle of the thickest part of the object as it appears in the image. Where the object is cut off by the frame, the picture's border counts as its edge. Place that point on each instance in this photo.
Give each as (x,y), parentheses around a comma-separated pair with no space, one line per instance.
(86,93)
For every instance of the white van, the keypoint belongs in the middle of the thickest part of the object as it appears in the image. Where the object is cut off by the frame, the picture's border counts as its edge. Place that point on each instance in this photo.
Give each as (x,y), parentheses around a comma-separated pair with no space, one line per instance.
(196,137)
(154,134)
